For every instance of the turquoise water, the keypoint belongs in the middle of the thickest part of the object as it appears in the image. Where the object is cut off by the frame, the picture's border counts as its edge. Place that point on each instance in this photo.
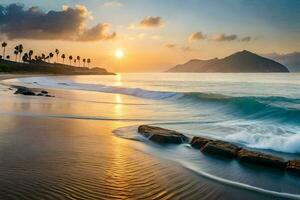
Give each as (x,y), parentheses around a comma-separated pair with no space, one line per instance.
(259,111)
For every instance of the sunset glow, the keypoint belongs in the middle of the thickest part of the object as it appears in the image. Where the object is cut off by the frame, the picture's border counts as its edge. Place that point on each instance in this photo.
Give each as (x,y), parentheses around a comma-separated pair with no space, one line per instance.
(119,53)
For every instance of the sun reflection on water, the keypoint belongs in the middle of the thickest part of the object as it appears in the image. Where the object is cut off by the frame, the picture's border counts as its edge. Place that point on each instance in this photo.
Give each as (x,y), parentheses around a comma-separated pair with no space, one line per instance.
(118,106)
(118,80)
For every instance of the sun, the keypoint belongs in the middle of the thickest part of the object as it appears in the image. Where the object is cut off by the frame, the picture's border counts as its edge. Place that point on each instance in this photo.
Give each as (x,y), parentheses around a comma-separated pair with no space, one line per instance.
(119,53)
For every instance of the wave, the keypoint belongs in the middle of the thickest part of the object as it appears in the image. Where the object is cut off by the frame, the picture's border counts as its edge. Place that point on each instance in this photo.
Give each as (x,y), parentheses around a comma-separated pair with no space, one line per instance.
(282,109)
(276,108)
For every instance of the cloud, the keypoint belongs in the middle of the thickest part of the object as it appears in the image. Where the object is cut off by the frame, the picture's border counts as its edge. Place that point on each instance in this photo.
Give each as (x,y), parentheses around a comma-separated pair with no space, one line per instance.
(149,22)
(112,4)
(197,36)
(170,46)
(67,24)
(246,39)
(98,32)
(223,37)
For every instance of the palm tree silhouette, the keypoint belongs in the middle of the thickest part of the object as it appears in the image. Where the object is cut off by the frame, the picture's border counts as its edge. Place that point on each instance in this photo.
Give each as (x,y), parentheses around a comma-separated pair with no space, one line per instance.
(88,61)
(4,44)
(83,60)
(16,52)
(50,56)
(70,58)
(8,57)
(30,53)
(78,58)
(20,51)
(57,52)
(63,56)
(43,57)
(25,57)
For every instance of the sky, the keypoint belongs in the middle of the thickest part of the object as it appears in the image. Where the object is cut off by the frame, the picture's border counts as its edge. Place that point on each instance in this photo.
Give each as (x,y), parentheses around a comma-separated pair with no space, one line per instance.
(153,34)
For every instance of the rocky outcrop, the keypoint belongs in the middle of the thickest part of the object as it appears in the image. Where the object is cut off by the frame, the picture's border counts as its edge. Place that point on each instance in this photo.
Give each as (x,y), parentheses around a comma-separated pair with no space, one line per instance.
(221,148)
(199,142)
(293,166)
(30,92)
(24,91)
(259,158)
(161,135)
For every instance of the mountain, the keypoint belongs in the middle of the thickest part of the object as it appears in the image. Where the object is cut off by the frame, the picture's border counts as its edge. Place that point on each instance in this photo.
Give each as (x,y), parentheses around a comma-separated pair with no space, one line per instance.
(240,62)
(291,60)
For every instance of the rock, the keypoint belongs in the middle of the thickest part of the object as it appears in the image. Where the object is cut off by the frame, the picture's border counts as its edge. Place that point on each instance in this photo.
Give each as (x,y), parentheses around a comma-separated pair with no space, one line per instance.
(199,142)
(44,92)
(161,135)
(24,91)
(47,95)
(261,159)
(293,165)
(221,148)
(39,94)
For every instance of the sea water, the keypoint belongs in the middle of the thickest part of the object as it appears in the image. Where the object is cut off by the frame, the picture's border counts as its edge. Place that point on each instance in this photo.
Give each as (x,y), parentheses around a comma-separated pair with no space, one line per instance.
(258,111)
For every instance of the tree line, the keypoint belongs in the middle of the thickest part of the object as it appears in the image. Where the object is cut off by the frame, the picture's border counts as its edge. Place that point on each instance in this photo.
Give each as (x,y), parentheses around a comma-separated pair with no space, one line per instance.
(27,57)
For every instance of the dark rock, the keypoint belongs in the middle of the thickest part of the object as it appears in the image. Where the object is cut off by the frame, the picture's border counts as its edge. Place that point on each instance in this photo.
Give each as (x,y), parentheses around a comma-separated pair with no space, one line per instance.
(47,95)
(293,165)
(199,142)
(221,148)
(161,135)
(261,159)
(24,91)
(39,94)
(44,92)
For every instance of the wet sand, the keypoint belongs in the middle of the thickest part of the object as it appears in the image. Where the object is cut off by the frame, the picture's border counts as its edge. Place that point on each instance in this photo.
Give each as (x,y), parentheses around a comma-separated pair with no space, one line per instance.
(46,157)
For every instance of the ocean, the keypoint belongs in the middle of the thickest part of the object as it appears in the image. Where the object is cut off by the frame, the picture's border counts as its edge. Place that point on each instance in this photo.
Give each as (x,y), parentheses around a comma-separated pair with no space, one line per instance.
(257,111)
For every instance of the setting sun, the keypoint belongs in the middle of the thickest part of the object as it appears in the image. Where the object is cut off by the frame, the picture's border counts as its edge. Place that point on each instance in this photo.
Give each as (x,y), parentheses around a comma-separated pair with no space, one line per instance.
(119,53)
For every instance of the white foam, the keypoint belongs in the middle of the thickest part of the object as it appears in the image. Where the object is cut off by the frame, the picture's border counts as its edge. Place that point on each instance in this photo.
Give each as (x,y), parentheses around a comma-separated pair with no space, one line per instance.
(288,143)
(48,82)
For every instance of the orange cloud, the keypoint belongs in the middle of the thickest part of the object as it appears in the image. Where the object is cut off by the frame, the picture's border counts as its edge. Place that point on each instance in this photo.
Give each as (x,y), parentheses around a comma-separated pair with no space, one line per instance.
(197,36)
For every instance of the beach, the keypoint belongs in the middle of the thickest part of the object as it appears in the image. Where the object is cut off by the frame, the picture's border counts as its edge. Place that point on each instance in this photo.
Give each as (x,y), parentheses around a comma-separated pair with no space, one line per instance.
(72,146)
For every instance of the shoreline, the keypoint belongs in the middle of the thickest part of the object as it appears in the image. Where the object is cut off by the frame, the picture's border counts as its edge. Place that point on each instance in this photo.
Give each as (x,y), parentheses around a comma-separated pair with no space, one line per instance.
(13,76)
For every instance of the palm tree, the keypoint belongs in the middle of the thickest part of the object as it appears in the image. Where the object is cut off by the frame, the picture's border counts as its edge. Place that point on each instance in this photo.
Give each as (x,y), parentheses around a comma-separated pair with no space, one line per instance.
(70,58)
(30,53)
(57,52)
(16,52)
(83,60)
(43,57)
(8,57)
(20,50)
(88,61)
(4,44)
(74,61)
(78,58)
(63,56)
(25,57)
(50,56)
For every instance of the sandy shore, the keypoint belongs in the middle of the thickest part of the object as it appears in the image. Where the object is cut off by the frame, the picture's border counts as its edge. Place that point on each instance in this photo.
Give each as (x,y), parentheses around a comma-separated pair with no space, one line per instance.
(10,76)
(44,155)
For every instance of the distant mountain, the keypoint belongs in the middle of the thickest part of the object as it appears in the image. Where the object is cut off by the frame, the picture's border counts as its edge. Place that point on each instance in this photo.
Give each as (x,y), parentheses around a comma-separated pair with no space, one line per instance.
(240,62)
(291,60)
